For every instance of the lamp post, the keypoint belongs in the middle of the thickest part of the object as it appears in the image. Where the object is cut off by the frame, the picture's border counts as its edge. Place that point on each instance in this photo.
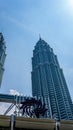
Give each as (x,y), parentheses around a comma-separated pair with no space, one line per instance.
(12,122)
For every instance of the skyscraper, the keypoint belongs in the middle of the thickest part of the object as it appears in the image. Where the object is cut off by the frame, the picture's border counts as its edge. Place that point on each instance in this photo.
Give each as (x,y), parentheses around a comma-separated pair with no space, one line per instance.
(49,84)
(2,56)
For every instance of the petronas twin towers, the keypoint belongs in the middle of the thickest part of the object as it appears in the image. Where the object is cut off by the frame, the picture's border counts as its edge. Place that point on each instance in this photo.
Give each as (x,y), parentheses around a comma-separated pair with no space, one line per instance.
(48,82)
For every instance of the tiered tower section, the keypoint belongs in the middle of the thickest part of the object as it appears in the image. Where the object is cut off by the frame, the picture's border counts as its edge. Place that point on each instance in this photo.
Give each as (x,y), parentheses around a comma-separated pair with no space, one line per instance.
(49,84)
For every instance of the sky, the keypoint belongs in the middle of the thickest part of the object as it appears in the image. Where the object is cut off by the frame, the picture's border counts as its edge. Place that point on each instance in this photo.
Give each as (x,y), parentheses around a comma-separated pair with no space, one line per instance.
(21,22)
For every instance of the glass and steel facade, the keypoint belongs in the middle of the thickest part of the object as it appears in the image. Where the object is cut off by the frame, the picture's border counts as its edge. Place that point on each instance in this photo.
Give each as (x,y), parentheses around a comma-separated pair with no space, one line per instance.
(2,56)
(49,84)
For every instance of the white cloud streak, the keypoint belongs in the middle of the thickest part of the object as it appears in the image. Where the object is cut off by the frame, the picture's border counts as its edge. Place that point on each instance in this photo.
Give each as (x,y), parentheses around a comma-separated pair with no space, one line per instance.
(18,23)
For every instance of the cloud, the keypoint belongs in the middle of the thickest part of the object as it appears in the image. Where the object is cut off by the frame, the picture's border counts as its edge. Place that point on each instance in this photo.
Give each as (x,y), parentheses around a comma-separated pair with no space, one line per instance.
(14,92)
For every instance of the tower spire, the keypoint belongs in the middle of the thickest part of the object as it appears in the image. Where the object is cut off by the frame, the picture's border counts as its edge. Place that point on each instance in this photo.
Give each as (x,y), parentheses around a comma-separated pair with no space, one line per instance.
(39,36)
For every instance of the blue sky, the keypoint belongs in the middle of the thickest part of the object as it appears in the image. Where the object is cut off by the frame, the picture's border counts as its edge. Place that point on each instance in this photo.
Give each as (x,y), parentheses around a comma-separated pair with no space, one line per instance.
(21,21)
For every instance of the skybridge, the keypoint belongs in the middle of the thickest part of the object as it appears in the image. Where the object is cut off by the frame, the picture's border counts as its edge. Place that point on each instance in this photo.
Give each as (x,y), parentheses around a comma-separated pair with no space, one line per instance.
(12,98)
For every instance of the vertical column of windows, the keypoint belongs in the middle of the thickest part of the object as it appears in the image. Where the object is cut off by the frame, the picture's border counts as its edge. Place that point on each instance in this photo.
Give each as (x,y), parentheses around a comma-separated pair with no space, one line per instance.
(2,56)
(57,86)
(39,83)
(51,91)
(43,81)
(36,81)
(65,97)
(33,84)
